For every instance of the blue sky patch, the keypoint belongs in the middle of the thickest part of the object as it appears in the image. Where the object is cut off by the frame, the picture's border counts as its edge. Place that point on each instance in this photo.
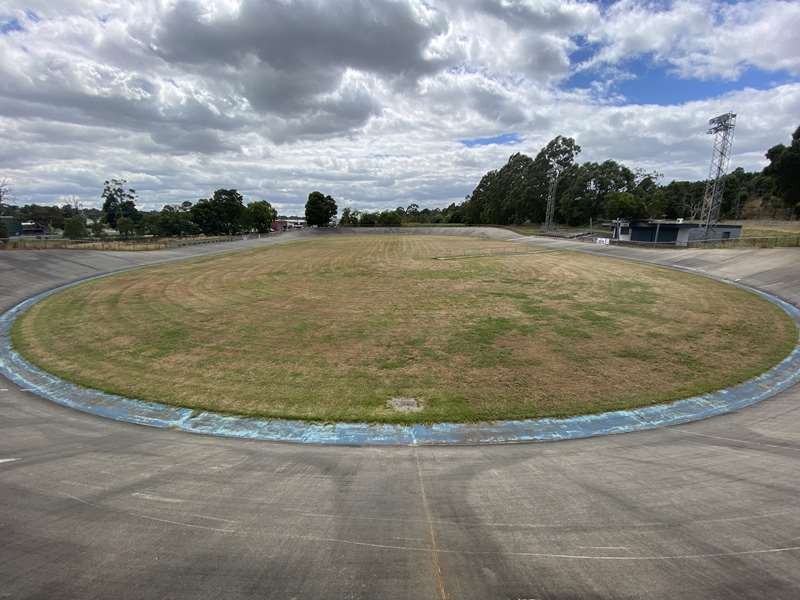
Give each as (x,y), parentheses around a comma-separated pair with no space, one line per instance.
(652,83)
(7,26)
(505,138)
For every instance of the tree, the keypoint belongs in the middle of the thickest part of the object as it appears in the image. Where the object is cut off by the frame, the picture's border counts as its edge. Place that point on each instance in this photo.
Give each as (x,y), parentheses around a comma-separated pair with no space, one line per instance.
(261,215)
(320,209)
(3,231)
(624,205)
(98,228)
(5,193)
(125,226)
(784,167)
(367,219)
(147,224)
(221,214)
(389,218)
(75,228)
(517,192)
(349,217)
(173,221)
(118,201)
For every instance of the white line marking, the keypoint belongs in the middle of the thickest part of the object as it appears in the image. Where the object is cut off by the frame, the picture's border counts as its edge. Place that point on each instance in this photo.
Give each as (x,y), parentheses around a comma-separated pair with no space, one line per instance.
(436,550)
(141,516)
(210,518)
(5,460)
(190,525)
(549,555)
(728,439)
(145,496)
(82,484)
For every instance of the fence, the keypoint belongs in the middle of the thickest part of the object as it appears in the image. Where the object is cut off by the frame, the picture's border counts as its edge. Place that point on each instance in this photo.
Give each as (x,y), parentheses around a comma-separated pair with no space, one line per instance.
(132,244)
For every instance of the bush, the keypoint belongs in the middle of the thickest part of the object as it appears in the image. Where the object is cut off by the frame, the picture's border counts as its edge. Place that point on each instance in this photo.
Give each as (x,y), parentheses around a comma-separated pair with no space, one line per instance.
(75,229)
(389,218)
(125,226)
(368,219)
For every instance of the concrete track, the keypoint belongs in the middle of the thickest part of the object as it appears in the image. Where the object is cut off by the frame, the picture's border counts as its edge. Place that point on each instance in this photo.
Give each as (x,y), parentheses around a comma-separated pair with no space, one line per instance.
(91,508)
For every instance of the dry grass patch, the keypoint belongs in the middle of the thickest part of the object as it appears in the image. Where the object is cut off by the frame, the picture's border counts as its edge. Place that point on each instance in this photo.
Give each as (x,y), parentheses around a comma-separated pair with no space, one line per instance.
(335,327)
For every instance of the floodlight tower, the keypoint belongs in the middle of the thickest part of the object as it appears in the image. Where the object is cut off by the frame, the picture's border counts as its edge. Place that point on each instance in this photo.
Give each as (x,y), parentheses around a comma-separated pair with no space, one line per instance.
(549,220)
(722,129)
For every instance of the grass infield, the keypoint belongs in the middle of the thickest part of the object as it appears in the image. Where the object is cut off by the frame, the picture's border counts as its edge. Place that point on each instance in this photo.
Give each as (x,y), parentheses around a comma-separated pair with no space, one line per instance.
(335,327)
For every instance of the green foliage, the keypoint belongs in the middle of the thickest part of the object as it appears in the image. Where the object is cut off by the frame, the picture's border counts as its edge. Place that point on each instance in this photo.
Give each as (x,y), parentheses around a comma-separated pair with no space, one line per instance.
(389,218)
(588,187)
(260,216)
(147,224)
(349,217)
(784,167)
(176,221)
(3,231)
(624,205)
(320,209)
(118,202)
(368,219)
(126,226)
(517,192)
(97,228)
(221,214)
(75,228)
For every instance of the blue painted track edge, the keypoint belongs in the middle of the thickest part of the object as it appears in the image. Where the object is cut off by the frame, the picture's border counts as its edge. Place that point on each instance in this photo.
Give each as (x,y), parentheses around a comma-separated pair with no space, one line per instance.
(777,379)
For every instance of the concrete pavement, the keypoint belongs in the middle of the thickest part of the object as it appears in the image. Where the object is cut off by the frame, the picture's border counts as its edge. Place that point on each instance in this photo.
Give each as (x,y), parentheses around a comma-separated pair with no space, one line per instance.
(91,508)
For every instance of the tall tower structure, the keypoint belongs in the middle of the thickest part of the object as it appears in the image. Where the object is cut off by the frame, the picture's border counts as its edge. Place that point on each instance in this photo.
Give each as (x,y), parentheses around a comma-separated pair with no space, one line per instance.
(721,128)
(549,220)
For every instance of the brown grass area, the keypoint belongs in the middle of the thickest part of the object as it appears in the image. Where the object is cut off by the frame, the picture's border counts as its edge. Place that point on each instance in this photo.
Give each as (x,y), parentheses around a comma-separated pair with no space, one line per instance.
(768,228)
(333,328)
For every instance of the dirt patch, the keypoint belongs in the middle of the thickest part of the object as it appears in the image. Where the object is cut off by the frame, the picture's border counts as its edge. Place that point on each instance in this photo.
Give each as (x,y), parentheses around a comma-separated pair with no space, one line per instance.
(405,405)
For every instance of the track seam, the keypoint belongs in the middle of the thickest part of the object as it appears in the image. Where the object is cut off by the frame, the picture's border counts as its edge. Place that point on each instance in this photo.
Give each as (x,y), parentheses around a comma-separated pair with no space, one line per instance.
(437,567)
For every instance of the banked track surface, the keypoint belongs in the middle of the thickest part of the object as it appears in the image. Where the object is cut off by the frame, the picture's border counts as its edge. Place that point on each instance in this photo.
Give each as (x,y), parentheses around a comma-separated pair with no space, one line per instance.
(91,508)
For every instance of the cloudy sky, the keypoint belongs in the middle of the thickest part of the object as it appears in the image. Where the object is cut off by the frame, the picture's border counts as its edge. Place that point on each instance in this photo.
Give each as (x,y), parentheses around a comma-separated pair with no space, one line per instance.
(378,102)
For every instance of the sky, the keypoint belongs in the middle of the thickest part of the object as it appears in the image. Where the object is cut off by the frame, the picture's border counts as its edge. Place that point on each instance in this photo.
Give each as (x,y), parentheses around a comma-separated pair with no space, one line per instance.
(379,103)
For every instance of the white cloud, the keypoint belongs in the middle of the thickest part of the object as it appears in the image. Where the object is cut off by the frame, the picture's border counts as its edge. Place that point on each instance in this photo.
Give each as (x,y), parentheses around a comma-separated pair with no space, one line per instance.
(703,39)
(364,100)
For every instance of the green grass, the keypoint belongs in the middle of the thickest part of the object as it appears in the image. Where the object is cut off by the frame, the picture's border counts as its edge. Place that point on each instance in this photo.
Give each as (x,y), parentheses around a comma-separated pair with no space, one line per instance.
(332,328)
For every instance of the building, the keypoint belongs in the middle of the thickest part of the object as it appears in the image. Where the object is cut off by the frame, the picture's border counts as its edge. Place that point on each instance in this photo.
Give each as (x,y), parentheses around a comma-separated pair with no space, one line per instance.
(285,224)
(13,226)
(31,229)
(677,232)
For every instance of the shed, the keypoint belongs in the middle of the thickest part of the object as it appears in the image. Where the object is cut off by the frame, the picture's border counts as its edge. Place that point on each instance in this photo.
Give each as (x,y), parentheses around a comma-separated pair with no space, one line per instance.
(678,231)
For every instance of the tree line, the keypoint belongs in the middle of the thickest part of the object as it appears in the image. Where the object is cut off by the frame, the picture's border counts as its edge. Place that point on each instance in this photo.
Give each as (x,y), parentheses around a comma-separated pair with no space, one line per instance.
(588,192)
(224,213)
(517,192)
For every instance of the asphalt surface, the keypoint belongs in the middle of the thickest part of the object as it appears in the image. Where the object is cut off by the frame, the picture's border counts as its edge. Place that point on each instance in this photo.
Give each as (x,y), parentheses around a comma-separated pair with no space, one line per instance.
(91,508)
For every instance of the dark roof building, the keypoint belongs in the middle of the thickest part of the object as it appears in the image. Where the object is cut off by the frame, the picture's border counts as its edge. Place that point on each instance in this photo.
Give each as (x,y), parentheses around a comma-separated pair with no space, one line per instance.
(678,232)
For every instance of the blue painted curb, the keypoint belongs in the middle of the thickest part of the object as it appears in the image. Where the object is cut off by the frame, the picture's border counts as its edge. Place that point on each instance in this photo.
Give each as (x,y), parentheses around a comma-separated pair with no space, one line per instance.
(17,369)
